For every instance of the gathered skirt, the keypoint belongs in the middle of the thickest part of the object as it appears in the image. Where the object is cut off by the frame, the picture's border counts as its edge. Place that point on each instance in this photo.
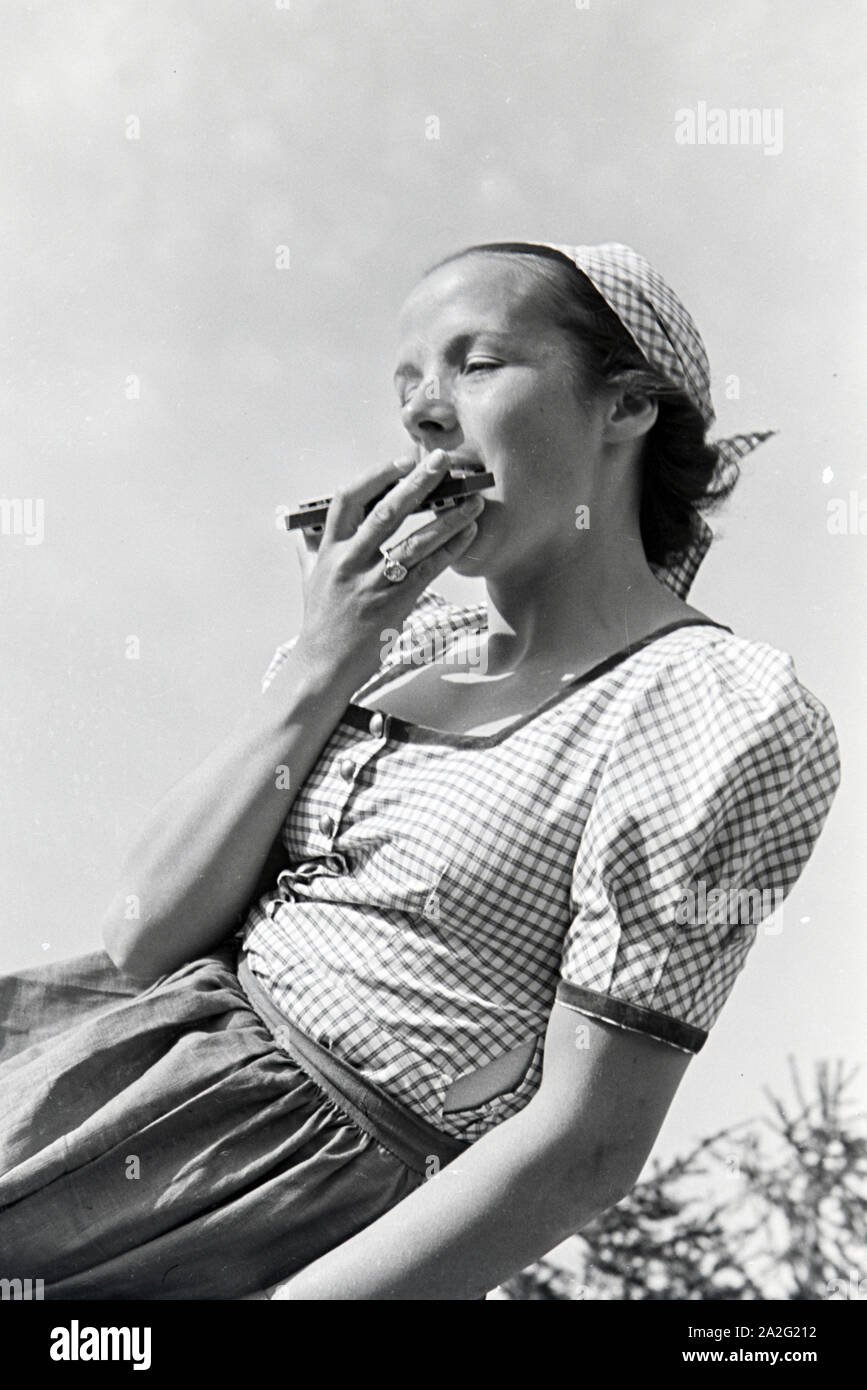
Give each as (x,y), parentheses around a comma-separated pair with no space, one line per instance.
(160,1143)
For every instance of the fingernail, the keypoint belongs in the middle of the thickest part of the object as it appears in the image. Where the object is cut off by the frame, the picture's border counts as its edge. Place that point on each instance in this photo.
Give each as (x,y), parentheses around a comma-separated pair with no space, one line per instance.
(404,465)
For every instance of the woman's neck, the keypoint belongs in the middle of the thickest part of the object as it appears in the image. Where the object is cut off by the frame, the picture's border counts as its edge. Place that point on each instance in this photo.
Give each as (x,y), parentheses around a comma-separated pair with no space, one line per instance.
(577,610)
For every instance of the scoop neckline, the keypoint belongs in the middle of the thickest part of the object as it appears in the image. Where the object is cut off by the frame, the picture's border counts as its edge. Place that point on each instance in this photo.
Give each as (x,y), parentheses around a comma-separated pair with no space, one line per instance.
(404,731)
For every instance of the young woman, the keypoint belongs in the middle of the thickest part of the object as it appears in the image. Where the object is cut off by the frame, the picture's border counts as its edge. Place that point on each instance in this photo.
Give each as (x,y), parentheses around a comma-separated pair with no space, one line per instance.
(409,970)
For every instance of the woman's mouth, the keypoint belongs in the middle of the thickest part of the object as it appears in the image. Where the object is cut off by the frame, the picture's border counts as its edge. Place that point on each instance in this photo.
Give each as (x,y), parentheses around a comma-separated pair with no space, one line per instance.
(464,463)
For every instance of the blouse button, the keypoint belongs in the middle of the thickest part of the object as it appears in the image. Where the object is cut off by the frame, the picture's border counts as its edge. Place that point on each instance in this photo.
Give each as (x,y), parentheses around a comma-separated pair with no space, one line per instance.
(327,826)
(377,724)
(347,769)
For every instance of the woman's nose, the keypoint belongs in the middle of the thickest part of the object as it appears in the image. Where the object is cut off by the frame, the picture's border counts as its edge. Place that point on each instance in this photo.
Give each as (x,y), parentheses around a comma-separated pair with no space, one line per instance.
(429,410)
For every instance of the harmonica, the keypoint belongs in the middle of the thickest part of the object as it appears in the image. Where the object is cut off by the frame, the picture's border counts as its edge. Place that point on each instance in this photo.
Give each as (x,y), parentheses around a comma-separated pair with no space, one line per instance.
(310,516)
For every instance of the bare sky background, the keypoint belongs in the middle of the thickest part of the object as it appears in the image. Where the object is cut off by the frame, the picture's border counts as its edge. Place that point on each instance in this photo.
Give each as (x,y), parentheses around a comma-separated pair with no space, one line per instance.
(307,126)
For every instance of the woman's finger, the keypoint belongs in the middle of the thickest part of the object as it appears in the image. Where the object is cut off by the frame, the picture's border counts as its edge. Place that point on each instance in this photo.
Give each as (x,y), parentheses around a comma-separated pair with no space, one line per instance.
(427,539)
(423,574)
(347,508)
(399,503)
(307,545)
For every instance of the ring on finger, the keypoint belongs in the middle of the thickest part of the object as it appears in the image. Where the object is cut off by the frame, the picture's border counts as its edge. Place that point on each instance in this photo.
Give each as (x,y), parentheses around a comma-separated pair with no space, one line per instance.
(393,570)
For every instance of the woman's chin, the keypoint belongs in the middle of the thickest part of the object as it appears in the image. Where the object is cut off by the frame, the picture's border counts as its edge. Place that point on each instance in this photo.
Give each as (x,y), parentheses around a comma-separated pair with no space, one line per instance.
(475,559)
(470,564)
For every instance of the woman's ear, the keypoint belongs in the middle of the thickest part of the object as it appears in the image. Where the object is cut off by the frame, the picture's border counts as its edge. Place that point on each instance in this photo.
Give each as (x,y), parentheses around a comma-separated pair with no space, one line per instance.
(632,414)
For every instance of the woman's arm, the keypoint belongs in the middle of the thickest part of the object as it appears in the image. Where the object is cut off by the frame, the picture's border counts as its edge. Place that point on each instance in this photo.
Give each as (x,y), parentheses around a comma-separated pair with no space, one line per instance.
(576,1149)
(198,859)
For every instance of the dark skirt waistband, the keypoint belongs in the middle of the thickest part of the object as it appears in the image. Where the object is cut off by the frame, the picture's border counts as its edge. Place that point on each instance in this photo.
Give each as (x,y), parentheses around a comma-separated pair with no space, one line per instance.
(418,1144)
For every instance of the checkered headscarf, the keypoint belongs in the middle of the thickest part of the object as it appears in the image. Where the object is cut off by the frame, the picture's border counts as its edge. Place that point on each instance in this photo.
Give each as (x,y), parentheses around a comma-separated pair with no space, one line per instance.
(663,330)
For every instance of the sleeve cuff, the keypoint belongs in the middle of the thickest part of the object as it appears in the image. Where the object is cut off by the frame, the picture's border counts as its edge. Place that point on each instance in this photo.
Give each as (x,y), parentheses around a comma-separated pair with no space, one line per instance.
(631,1016)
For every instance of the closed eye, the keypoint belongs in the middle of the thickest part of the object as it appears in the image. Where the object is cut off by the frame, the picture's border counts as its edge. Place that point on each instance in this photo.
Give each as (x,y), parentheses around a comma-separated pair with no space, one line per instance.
(473,365)
(481,364)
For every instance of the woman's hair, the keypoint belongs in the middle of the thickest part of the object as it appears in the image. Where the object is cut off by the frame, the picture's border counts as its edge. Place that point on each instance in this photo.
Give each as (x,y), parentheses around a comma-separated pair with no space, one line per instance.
(681,472)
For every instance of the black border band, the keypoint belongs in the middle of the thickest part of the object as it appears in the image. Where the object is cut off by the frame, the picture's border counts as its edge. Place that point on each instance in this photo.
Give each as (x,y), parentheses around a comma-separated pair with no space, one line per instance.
(633,1016)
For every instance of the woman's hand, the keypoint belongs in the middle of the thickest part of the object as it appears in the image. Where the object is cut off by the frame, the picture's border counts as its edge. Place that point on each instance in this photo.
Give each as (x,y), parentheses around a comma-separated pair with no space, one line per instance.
(203,850)
(348,602)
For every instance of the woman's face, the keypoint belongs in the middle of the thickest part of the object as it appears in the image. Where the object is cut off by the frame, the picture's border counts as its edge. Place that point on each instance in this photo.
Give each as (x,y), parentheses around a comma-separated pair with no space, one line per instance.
(484,373)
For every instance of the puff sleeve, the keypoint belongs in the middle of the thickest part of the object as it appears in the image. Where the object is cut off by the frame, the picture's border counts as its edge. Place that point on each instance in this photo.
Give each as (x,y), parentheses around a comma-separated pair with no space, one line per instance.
(711,800)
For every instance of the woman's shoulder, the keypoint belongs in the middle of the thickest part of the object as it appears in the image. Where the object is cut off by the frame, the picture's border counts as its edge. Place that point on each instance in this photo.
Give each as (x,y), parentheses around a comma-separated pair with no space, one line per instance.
(755,671)
(706,675)
(696,653)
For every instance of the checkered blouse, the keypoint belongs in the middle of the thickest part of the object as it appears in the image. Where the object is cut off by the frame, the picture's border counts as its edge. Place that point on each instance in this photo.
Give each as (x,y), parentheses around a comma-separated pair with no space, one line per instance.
(614,850)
